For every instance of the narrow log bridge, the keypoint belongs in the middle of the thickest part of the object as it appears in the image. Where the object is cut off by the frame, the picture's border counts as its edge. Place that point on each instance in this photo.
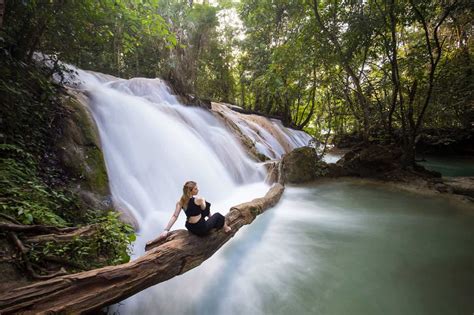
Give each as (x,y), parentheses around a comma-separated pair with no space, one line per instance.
(91,290)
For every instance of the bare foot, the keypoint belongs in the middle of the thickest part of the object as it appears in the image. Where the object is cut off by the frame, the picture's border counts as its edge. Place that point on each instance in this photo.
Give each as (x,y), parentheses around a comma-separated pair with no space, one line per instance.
(227,228)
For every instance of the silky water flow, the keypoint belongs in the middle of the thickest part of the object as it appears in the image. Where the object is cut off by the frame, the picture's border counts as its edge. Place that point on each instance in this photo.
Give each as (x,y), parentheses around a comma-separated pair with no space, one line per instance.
(152,144)
(341,247)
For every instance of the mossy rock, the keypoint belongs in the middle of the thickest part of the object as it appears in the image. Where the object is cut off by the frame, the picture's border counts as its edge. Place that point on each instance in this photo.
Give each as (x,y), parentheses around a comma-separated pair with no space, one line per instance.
(79,148)
(302,165)
(371,161)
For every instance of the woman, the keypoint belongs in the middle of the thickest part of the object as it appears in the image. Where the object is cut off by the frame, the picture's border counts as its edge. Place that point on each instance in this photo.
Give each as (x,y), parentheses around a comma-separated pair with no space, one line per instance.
(196,210)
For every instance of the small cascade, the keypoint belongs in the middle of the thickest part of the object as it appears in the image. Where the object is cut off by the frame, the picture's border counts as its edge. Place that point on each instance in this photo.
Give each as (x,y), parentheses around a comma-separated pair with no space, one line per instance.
(269,136)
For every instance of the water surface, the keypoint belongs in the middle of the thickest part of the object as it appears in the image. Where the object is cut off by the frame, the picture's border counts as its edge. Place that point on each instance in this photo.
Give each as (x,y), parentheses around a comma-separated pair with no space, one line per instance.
(450,166)
(335,248)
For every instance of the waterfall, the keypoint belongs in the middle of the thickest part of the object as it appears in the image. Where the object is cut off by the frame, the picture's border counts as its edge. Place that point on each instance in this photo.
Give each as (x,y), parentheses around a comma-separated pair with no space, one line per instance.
(270,137)
(152,144)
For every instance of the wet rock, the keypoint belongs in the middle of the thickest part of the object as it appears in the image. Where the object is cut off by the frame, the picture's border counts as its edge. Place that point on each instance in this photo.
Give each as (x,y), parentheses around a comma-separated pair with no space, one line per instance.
(461,185)
(372,161)
(443,188)
(273,172)
(302,165)
(80,153)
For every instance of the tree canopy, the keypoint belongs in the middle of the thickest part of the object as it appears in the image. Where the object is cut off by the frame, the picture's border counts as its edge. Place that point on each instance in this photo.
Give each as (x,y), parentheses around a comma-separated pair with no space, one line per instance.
(382,69)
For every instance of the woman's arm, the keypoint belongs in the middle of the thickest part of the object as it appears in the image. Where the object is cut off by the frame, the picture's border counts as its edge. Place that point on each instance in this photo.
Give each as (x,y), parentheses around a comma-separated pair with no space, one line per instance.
(173,219)
(200,201)
(205,206)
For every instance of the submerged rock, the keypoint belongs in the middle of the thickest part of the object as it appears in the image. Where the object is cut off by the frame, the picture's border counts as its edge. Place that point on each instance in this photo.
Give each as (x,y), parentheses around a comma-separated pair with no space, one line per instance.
(302,165)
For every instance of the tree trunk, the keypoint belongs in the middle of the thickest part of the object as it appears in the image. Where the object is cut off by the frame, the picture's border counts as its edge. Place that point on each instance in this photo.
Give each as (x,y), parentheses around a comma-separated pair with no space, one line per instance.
(348,69)
(2,11)
(91,290)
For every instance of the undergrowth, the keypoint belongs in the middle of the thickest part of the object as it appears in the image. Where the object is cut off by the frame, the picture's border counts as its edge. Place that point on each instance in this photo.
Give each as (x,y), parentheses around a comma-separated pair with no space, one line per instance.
(33,186)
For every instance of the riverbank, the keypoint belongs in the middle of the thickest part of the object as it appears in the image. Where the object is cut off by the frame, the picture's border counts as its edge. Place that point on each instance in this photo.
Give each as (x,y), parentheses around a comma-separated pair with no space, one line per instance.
(384,164)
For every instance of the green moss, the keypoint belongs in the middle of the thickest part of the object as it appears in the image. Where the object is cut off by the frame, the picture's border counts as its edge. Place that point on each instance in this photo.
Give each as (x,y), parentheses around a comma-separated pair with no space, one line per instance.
(83,120)
(80,148)
(255,211)
(96,178)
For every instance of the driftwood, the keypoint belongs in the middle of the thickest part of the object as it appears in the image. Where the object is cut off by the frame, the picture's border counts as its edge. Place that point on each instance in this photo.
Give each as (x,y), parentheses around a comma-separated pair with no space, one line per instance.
(165,259)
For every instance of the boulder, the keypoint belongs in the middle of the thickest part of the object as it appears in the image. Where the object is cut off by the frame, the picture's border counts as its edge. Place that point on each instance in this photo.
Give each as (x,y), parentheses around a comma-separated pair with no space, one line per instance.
(302,165)
(371,161)
(79,151)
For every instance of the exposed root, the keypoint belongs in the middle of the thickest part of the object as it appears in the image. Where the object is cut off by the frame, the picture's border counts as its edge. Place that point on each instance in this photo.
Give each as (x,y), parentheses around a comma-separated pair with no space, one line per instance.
(29,266)
(35,228)
(9,218)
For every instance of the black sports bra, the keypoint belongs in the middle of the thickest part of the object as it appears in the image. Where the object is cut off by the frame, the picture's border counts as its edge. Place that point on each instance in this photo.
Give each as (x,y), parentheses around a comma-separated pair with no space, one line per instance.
(193,209)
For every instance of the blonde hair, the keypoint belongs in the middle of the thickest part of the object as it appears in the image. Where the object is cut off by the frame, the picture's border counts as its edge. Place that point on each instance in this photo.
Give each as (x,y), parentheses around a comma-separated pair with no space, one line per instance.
(187,188)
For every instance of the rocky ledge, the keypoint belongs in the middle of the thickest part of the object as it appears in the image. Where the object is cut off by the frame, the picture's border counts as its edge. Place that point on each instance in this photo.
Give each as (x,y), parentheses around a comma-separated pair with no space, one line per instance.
(375,162)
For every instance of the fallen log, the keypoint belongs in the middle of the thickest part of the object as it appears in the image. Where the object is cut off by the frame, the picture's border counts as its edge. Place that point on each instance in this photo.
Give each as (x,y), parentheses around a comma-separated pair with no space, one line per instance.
(165,258)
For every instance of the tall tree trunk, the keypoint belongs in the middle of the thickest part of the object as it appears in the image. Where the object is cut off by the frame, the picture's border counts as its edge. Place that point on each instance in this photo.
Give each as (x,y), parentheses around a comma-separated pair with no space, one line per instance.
(2,11)
(434,58)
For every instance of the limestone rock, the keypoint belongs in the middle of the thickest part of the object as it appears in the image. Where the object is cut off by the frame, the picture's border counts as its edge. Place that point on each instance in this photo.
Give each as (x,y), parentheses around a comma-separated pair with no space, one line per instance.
(301,165)
(371,161)
(80,152)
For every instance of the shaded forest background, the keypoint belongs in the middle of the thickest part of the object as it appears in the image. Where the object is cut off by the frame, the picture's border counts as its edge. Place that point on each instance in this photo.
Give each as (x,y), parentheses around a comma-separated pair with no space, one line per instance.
(375,67)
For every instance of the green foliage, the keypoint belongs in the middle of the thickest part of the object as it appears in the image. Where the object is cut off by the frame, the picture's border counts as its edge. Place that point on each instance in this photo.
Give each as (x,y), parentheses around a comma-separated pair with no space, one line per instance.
(23,195)
(367,66)
(27,199)
(200,63)
(33,187)
(100,35)
(109,246)
(27,99)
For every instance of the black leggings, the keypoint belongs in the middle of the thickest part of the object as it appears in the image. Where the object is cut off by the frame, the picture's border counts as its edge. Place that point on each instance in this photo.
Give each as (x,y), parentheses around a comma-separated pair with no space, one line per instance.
(203,226)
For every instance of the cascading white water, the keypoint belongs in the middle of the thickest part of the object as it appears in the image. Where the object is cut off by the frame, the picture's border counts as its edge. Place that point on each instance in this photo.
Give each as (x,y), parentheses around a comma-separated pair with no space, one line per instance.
(152,145)
(270,137)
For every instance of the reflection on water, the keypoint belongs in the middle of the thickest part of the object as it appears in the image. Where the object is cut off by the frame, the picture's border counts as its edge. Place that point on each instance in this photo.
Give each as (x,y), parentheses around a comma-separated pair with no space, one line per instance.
(335,248)
(450,166)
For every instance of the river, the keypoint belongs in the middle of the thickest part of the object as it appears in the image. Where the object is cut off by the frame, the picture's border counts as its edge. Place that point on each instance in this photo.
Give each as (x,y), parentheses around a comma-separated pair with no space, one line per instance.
(338,247)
